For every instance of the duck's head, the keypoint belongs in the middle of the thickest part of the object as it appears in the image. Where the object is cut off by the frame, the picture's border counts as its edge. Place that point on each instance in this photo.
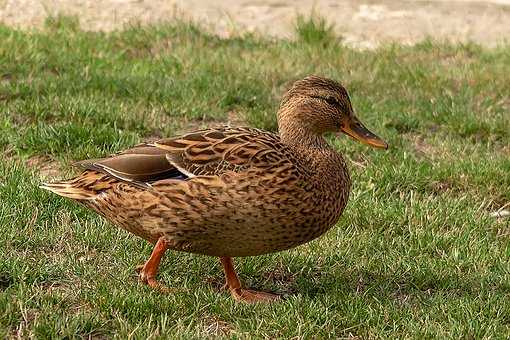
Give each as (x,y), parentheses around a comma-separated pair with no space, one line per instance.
(316,105)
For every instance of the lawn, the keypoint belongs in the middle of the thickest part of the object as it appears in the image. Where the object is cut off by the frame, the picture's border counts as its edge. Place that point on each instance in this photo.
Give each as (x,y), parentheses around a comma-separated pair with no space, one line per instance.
(416,254)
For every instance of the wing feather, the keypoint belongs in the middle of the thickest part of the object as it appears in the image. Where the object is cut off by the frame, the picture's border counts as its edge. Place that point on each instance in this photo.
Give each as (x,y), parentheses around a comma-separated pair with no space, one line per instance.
(140,166)
(214,151)
(209,152)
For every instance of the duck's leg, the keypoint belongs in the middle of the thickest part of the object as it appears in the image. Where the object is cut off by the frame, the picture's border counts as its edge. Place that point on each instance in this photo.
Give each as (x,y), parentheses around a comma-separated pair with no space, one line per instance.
(149,270)
(234,285)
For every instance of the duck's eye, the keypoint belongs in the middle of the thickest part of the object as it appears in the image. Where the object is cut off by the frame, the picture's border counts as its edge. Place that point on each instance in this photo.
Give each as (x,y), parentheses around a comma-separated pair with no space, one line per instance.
(331,100)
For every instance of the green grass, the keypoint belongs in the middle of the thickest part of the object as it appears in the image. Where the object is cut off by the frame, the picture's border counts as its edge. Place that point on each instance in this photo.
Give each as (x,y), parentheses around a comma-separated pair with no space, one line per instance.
(314,29)
(415,255)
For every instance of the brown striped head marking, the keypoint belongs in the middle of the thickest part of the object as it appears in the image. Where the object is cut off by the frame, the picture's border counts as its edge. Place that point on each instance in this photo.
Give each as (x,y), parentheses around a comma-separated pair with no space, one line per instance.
(316,105)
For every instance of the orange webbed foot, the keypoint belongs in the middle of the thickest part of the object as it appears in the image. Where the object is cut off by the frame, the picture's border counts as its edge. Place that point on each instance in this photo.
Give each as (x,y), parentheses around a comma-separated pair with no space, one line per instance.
(241,294)
(148,271)
(151,281)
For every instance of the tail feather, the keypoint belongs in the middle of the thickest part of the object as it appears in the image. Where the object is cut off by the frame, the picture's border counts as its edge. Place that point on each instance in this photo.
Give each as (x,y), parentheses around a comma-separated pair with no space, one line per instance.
(84,187)
(66,190)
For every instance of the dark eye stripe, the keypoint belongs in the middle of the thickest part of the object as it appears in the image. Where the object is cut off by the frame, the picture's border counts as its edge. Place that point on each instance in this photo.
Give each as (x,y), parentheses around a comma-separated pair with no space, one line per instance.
(329,99)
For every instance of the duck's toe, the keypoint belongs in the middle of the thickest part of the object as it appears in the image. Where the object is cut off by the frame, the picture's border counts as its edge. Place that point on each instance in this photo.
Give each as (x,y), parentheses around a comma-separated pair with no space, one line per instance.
(153,283)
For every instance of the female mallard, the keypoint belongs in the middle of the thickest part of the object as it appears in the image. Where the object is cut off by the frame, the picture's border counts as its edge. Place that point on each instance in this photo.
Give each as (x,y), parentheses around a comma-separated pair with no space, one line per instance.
(231,191)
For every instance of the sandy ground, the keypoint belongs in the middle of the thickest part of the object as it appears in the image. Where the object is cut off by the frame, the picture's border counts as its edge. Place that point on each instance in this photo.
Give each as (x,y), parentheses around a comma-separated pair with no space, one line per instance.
(363,24)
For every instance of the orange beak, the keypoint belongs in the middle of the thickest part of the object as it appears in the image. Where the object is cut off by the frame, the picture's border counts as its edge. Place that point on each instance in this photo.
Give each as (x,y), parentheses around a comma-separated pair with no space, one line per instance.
(353,127)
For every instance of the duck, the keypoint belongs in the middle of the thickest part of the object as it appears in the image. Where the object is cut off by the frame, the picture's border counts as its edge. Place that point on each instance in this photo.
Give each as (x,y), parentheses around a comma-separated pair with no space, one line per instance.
(228,191)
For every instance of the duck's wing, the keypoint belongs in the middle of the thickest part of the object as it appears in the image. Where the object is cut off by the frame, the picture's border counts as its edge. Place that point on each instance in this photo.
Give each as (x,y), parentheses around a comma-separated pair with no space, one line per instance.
(139,165)
(209,152)
(214,151)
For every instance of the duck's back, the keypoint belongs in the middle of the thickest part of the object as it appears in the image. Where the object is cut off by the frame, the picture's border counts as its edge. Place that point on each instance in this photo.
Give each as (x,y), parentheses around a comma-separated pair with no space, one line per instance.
(223,191)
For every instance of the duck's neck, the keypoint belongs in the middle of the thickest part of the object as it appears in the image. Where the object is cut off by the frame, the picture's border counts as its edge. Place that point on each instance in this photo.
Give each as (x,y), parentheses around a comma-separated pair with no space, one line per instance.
(327,166)
(296,134)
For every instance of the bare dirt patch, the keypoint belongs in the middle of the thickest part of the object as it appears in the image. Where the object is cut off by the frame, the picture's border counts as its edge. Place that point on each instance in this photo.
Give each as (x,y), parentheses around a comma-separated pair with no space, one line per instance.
(422,148)
(45,166)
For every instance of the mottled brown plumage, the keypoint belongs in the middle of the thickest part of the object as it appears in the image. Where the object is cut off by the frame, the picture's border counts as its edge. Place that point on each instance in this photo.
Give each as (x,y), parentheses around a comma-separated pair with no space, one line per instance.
(231,191)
